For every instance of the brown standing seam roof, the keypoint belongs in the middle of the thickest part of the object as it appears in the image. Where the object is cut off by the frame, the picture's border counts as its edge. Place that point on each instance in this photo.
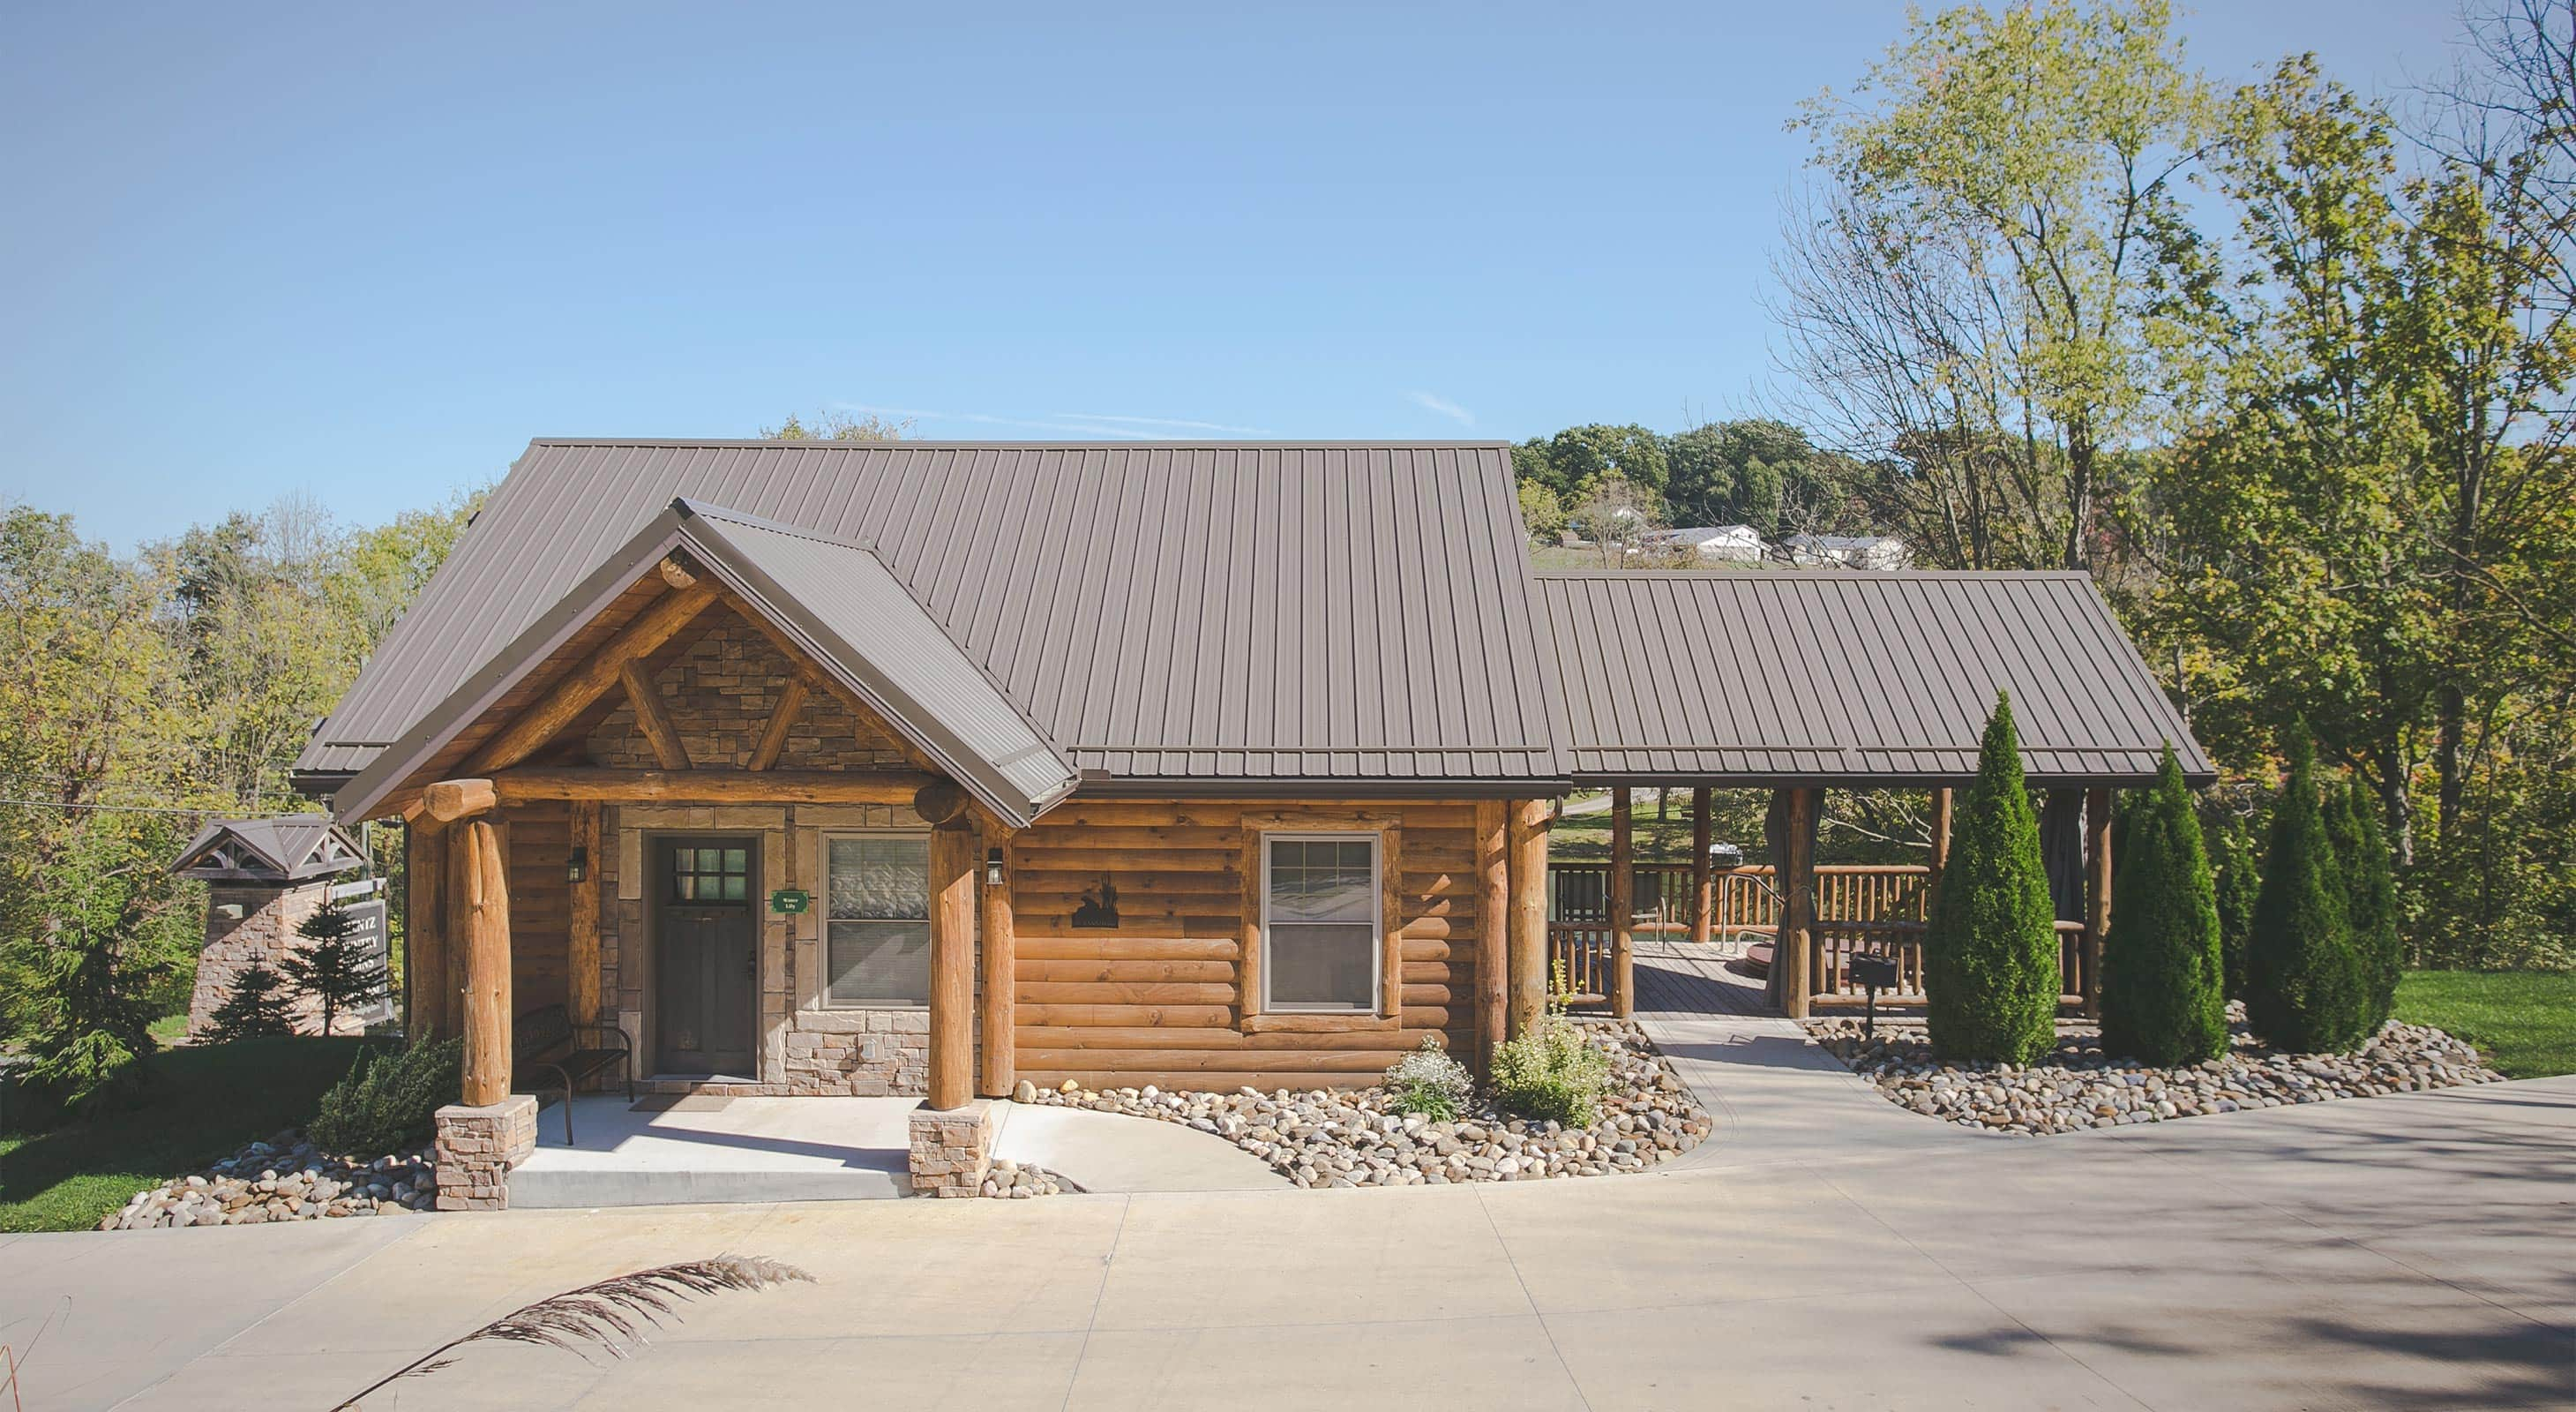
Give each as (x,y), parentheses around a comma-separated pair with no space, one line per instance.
(1853,678)
(1344,615)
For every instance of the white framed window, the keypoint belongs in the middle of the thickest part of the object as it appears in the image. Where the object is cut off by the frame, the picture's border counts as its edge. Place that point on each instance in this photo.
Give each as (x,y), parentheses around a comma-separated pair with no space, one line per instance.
(876,919)
(1322,924)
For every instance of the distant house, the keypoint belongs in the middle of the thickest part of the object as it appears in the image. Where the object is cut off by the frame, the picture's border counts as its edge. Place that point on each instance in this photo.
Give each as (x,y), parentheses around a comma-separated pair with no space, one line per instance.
(1864,551)
(1716,544)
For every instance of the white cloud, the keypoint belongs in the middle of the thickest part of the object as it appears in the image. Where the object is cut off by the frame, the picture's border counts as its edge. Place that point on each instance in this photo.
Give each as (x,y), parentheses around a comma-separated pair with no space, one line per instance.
(1434,402)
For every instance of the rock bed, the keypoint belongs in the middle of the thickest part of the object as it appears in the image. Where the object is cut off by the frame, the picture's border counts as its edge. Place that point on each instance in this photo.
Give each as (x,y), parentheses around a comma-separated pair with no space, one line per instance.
(1354,1137)
(283,1179)
(1018,1181)
(2079,1087)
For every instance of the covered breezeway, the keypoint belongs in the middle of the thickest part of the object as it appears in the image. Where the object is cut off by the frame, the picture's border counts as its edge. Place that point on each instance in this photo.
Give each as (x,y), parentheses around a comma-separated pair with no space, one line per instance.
(1797,683)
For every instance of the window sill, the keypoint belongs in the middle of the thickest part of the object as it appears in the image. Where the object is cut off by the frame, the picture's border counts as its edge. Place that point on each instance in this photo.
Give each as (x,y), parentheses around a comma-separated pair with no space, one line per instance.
(1318,1022)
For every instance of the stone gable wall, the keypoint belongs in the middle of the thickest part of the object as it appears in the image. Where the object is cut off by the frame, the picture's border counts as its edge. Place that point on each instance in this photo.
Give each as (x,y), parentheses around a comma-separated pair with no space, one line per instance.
(720,694)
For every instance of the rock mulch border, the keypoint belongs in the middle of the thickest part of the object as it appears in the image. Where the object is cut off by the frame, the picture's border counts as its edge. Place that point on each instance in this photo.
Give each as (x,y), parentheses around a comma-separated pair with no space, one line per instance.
(2080,1088)
(1354,1137)
(284,1179)
(1018,1181)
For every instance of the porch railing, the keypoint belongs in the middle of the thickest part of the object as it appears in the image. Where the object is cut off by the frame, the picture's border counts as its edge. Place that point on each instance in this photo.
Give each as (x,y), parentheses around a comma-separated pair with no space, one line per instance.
(1860,909)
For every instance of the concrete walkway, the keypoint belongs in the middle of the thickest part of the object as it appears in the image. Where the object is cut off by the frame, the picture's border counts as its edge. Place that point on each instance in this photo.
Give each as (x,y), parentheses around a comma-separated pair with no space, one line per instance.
(705,1150)
(2405,1252)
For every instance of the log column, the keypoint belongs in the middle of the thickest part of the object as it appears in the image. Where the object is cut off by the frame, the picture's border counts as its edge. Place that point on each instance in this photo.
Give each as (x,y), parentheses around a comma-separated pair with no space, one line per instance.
(1493,924)
(1001,1069)
(2097,893)
(581,953)
(425,929)
(1623,908)
(1529,970)
(1941,805)
(486,927)
(1703,881)
(1790,947)
(952,964)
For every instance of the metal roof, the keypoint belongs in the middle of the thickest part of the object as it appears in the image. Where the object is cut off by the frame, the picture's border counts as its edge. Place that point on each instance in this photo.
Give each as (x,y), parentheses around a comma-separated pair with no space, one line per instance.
(1168,613)
(286,848)
(1852,678)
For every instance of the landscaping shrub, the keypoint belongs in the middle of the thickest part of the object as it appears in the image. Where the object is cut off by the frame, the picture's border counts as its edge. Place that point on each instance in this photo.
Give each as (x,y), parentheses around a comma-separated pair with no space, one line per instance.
(1552,1073)
(2370,898)
(254,1008)
(2304,987)
(2232,857)
(2163,982)
(388,1098)
(1990,966)
(337,968)
(93,1032)
(1430,1083)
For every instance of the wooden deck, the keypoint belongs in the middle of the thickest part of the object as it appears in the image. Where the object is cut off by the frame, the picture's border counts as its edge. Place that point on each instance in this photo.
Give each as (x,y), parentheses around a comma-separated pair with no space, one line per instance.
(1678,977)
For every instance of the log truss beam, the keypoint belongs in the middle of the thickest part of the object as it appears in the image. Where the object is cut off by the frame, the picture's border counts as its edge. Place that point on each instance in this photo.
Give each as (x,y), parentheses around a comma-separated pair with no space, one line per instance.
(660,621)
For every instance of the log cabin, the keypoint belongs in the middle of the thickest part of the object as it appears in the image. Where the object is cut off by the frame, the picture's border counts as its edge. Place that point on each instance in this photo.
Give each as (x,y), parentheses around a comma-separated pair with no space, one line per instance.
(926,768)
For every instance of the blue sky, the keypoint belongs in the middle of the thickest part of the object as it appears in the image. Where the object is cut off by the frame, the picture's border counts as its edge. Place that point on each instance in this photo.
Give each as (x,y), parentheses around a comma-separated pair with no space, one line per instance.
(339,250)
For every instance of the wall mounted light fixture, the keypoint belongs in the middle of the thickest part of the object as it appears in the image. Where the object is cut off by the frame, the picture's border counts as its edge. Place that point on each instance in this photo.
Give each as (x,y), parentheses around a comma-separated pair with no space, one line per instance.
(578,868)
(992,867)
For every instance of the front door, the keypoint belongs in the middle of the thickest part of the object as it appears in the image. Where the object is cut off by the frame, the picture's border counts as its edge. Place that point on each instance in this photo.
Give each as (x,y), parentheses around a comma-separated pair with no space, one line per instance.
(708,965)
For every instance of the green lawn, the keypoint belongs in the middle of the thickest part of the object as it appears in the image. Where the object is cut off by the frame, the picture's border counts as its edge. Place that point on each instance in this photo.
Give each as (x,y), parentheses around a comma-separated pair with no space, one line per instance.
(1585,838)
(2524,1022)
(206,1101)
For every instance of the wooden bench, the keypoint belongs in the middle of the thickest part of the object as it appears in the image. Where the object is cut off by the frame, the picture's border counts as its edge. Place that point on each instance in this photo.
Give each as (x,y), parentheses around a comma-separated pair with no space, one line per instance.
(545,1040)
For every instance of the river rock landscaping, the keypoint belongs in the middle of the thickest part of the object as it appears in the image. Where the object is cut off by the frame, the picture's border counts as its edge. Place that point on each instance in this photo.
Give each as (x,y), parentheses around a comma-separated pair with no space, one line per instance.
(283,1179)
(2080,1087)
(1352,1138)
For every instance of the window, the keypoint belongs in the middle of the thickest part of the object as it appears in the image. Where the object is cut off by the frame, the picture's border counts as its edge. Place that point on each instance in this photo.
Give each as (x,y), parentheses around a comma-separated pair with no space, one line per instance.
(1320,918)
(710,874)
(877,919)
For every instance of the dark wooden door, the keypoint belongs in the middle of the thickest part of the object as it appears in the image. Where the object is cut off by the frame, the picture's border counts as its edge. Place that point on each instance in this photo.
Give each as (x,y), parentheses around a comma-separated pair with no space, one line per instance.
(708,970)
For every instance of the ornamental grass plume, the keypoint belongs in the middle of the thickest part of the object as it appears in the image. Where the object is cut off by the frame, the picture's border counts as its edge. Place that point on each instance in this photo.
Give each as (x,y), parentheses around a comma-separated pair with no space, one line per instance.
(615,1316)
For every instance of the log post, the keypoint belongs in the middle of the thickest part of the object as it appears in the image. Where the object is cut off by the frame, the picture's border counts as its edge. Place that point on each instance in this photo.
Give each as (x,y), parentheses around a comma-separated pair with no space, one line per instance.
(1001,963)
(2097,899)
(426,934)
(1493,923)
(1623,908)
(1942,800)
(1703,881)
(487,964)
(1790,947)
(952,965)
(581,943)
(1529,968)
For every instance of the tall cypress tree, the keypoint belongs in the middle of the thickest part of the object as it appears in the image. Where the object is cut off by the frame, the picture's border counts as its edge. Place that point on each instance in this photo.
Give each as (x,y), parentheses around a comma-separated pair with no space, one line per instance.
(2232,854)
(2304,987)
(2370,898)
(2163,984)
(1990,966)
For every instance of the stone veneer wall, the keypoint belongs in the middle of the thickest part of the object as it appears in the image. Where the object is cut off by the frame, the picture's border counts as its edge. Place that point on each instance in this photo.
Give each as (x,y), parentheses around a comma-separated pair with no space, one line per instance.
(263,936)
(720,693)
(477,1147)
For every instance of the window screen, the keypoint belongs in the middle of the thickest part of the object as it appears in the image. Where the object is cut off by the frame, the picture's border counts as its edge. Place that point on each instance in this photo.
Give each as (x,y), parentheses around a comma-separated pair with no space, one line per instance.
(1320,919)
(877,922)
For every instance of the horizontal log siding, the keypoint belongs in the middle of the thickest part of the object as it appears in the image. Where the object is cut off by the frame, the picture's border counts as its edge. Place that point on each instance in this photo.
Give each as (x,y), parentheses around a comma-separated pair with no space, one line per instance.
(1160,999)
(537,844)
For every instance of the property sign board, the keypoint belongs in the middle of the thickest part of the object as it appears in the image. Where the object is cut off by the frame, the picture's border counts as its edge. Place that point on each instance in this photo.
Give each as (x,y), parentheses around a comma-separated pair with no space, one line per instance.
(370,918)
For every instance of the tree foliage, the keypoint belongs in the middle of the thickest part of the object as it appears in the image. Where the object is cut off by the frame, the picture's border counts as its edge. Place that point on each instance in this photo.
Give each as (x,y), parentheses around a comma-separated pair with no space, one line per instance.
(255,1007)
(1990,962)
(334,967)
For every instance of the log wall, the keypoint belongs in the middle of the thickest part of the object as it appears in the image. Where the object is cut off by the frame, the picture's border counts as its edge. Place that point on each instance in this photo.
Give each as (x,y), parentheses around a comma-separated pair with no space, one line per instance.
(1166,997)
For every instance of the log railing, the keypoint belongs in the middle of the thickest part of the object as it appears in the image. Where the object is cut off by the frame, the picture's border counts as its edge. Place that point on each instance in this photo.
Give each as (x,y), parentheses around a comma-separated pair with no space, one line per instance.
(1835,943)
(1852,901)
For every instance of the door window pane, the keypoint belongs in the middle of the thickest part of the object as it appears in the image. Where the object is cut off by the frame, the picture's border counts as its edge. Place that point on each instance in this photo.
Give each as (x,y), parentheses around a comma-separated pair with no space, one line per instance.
(1320,924)
(877,920)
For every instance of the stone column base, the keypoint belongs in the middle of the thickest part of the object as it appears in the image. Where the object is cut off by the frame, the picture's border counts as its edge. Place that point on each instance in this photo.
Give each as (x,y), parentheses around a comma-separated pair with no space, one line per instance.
(953,1148)
(477,1147)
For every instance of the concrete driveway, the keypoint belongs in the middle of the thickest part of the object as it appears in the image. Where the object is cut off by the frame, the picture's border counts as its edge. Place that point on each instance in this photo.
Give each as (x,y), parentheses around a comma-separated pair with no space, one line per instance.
(2417,1251)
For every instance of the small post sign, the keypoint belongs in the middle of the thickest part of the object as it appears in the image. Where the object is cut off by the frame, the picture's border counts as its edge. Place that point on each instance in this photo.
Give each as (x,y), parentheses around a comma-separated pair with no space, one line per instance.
(789,901)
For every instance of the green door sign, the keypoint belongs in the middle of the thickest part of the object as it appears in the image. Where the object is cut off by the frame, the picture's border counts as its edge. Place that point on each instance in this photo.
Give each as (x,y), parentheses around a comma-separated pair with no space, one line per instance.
(788,901)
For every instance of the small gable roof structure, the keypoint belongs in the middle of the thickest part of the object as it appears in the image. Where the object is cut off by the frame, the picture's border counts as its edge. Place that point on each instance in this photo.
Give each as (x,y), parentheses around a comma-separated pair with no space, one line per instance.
(1854,679)
(1153,618)
(282,850)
